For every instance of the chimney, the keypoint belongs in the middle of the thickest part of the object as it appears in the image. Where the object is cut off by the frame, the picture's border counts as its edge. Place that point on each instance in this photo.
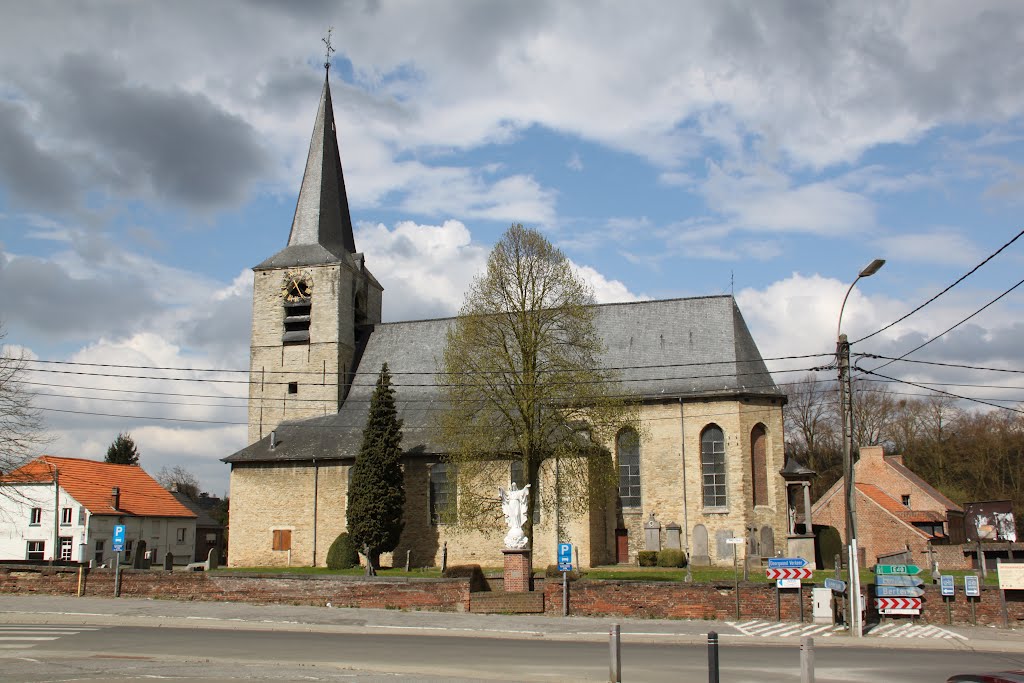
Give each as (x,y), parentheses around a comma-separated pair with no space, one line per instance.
(115,498)
(273,439)
(174,487)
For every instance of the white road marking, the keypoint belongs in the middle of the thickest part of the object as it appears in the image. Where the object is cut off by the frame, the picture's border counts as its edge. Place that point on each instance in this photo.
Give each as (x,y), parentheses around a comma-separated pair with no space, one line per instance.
(775,629)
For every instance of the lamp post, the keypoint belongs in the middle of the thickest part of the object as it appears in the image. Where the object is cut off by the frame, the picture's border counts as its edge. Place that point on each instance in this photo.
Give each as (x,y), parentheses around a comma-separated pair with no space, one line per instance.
(849,487)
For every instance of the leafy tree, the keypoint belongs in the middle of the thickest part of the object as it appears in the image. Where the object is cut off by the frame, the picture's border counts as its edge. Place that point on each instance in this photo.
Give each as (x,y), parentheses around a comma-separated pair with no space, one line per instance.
(376,497)
(22,434)
(123,451)
(179,479)
(221,512)
(523,382)
(342,553)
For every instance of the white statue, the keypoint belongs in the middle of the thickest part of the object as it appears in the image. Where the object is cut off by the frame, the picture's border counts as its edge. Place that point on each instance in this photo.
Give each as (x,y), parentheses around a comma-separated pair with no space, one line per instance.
(514,504)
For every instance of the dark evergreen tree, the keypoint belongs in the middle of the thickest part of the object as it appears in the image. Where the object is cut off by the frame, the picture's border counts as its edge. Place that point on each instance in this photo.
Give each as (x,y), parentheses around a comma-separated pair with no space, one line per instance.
(376,496)
(123,451)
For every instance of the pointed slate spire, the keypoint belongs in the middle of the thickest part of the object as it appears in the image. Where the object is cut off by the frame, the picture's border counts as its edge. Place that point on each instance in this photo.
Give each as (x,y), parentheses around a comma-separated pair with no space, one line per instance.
(321,213)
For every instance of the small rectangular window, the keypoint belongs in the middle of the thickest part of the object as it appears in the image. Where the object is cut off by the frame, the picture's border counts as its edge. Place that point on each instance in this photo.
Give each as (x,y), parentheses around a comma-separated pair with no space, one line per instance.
(36,550)
(65,549)
(181,535)
(65,517)
(293,387)
(99,552)
(36,517)
(906,499)
(282,539)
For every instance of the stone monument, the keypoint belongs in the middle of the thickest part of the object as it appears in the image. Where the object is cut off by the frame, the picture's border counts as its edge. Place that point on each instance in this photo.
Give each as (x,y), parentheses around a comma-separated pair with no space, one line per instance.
(518,564)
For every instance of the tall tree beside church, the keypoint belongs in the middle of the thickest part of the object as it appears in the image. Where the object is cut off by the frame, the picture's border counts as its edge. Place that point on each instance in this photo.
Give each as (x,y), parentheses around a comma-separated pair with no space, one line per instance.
(376,497)
(123,451)
(523,381)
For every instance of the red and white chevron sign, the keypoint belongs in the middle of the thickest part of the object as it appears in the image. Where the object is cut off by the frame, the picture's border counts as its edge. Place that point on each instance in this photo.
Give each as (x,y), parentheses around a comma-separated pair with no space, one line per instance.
(788,572)
(898,603)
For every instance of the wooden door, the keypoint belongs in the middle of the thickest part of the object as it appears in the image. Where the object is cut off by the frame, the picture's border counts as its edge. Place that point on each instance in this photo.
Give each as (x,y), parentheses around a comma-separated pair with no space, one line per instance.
(622,546)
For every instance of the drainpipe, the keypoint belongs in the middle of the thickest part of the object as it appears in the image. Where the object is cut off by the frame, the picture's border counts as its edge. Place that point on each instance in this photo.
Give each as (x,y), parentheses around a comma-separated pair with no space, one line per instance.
(316,488)
(682,451)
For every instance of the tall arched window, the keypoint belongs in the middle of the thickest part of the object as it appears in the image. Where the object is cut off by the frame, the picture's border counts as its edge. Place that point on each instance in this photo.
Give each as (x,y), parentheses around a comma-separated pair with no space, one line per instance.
(759,464)
(627,444)
(712,465)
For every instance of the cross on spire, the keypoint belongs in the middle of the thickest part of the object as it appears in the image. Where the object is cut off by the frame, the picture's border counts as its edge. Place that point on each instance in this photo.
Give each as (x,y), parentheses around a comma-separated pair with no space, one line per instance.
(327,41)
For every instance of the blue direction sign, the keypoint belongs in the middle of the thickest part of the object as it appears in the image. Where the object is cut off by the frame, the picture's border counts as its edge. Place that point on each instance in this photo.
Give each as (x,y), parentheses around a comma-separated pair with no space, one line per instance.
(565,557)
(972,586)
(119,538)
(898,591)
(947,585)
(786,562)
(898,580)
(837,585)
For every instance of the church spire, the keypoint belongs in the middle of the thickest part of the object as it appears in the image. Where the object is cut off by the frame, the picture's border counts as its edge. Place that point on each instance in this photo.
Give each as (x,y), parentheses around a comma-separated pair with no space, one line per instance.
(321,213)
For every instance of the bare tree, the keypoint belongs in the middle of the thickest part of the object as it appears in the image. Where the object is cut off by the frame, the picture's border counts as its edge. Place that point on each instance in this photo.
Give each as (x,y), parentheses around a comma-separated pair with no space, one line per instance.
(179,479)
(22,432)
(873,411)
(812,430)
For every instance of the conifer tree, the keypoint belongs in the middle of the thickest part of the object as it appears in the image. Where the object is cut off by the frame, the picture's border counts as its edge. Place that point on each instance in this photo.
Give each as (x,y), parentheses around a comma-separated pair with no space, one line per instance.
(376,496)
(123,451)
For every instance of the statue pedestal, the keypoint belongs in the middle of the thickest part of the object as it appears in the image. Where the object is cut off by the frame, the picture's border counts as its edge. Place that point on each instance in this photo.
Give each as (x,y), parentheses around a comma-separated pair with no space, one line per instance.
(518,570)
(801,546)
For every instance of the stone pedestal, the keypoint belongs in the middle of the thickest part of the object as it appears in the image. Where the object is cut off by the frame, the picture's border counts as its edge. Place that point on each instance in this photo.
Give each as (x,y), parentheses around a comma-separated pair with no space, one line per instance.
(518,571)
(801,546)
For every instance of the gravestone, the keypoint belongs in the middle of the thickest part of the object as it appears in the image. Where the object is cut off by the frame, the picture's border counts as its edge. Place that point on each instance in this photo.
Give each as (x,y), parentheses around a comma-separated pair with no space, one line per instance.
(139,559)
(213,559)
(169,561)
(652,534)
(700,557)
(672,534)
(722,549)
(767,542)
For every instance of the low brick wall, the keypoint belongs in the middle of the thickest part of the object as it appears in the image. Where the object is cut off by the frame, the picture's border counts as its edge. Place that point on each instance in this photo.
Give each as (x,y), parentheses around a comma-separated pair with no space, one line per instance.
(507,603)
(444,595)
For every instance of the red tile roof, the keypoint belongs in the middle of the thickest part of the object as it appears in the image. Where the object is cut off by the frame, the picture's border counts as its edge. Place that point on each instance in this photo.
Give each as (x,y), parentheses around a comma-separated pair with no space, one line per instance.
(89,482)
(897,509)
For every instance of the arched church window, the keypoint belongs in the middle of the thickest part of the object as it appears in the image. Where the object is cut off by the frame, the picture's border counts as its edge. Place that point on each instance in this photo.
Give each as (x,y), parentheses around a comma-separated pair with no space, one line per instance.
(627,446)
(712,465)
(759,464)
(442,494)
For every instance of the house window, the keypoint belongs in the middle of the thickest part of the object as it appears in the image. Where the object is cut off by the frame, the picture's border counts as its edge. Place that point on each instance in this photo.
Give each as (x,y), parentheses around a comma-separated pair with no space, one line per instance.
(712,465)
(293,387)
(36,550)
(759,465)
(905,498)
(516,475)
(81,516)
(65,548)
(282,539)
(181,535)
(99,551)
(65,517)
(442,490)
(35,517)
(628,447)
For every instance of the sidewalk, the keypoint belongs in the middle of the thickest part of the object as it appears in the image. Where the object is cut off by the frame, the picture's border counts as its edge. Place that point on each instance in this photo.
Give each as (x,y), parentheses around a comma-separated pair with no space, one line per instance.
(50,609)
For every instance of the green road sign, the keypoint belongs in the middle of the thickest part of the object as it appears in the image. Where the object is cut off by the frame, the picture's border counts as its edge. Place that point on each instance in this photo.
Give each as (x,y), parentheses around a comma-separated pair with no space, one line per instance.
(909,569)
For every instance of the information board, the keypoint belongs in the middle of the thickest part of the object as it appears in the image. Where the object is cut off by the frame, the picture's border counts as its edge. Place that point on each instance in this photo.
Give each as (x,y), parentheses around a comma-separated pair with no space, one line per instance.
(1011,576)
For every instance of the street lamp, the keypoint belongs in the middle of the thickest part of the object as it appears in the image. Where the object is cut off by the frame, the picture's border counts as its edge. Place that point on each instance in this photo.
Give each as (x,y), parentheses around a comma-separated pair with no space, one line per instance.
(849,488)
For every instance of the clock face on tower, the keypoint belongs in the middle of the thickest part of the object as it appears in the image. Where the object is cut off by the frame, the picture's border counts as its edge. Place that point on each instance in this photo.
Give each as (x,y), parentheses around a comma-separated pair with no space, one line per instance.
(297,286)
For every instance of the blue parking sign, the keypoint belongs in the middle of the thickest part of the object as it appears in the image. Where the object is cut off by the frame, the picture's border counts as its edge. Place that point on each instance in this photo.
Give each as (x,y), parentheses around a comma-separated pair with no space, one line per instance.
(565,557)
(119,538)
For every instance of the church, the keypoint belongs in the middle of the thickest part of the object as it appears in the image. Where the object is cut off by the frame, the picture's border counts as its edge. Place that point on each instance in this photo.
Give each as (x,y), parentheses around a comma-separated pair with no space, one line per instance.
(704,469)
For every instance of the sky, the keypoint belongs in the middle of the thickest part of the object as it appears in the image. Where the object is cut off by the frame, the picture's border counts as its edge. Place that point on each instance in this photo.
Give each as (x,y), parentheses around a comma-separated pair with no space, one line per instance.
(151,153)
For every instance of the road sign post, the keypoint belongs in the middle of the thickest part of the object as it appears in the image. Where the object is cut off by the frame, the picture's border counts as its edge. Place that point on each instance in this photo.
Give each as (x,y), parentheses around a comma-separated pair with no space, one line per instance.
(118,546)
(565,566)
(972,589)
(837,585)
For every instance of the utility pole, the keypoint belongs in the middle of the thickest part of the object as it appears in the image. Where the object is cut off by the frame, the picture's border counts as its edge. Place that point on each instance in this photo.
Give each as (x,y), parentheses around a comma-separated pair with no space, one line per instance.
(849,485)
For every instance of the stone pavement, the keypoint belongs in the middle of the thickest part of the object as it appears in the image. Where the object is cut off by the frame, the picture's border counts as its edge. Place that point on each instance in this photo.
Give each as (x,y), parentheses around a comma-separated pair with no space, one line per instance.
(68,610)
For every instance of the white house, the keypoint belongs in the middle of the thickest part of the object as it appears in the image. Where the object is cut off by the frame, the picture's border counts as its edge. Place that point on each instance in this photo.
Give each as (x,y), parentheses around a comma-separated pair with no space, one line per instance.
(66,508)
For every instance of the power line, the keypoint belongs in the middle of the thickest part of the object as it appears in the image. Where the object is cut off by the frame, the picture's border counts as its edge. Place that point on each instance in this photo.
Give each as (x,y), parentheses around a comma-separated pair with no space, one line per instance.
(940,391)
(958,281)
(939,363)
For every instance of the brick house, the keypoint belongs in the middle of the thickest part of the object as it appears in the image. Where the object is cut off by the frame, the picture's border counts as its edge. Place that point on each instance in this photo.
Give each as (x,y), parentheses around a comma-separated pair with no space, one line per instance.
(706,463)
(66,508)
(896,509)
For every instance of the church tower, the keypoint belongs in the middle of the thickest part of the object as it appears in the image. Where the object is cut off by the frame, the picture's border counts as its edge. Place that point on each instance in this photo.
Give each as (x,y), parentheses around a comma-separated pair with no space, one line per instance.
(313,301)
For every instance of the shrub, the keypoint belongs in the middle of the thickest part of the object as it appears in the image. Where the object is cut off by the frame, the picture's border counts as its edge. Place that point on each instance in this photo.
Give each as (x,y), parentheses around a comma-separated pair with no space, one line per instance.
(551,572)
(647,558)
(671,557)
(342,554)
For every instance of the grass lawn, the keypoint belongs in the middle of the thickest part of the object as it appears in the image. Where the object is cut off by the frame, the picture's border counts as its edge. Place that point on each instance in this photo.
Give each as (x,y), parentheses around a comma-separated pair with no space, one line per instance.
(415,573)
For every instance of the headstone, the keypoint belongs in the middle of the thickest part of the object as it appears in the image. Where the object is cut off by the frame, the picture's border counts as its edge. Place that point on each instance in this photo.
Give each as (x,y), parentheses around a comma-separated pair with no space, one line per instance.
(139,559)
(652,534)
(213,559)
(722,548)
(767,542)
(672,534)
(700,557)
(169,561)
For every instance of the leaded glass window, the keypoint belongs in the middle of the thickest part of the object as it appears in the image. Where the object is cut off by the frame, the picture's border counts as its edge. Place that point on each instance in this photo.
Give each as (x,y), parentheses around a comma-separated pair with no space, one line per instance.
(712,464)
(628,447)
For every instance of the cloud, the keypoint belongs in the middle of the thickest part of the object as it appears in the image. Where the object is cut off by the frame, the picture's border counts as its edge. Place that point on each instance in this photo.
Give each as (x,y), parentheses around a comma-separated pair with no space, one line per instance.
(605,291)
(942,246)
(575,163)
(31,175)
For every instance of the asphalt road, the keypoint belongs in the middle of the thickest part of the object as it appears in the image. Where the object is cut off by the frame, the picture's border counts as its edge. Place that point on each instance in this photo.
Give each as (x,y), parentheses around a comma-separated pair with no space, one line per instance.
(184,654)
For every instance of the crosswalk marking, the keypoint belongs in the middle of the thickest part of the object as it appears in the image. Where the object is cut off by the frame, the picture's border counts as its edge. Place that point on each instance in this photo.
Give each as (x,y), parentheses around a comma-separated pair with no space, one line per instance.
(767,629)
(20,637)
(893,630)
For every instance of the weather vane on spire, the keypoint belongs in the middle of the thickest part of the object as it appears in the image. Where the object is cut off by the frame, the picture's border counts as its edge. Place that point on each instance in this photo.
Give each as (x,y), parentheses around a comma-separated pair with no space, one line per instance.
(330,49)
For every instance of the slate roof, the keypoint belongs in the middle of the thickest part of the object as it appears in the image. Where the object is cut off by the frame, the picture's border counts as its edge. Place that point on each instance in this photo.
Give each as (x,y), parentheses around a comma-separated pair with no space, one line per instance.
(90,481)
(203,518)
(322,227)
(706,339)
